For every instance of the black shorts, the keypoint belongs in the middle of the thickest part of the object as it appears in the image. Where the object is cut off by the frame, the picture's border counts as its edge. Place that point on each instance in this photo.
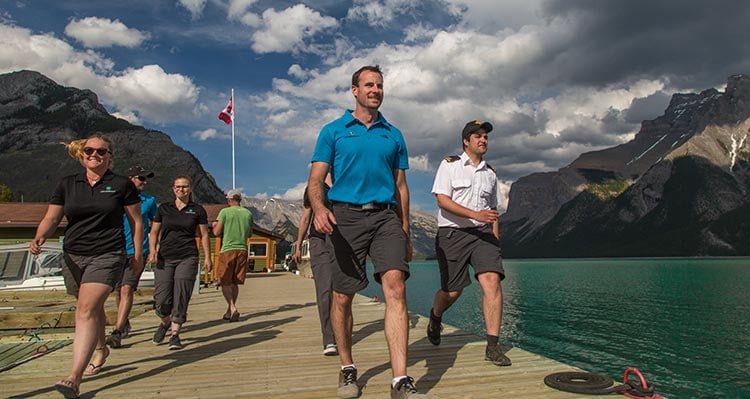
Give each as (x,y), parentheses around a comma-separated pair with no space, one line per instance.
(358,234)
(457,248)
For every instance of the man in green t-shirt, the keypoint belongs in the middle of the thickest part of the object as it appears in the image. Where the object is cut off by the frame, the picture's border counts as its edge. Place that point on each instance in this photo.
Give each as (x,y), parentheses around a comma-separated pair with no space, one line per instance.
(234,225)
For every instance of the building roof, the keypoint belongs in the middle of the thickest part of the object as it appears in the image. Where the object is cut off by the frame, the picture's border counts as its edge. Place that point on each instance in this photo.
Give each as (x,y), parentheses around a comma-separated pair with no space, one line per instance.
(29,214)
(23,214)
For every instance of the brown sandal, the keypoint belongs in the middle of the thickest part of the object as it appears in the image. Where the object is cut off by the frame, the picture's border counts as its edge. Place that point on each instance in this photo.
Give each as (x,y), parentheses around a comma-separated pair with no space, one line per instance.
(67,388)
(94,369)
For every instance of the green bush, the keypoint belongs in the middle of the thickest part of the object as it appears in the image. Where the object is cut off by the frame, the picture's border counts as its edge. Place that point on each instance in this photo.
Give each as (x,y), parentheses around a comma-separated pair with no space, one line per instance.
(608,189)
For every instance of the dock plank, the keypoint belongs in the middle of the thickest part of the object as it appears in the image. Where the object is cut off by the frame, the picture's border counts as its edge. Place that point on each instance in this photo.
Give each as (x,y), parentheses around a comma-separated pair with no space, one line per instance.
(275,351)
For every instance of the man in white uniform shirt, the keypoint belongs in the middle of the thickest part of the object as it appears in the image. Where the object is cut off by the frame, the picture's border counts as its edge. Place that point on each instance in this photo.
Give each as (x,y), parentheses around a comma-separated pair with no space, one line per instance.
(468,233)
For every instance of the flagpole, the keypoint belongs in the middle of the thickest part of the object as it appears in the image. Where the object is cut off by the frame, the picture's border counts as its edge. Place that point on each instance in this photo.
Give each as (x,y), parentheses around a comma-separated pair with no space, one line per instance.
(233,115)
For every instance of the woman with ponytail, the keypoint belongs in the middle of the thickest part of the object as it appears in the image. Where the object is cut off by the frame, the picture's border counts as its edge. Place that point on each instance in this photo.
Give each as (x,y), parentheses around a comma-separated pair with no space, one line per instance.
(176,225)
(93,202)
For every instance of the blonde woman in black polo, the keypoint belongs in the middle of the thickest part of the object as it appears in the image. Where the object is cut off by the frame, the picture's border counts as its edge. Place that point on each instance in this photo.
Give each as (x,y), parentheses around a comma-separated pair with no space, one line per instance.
(175,227)
(93,202)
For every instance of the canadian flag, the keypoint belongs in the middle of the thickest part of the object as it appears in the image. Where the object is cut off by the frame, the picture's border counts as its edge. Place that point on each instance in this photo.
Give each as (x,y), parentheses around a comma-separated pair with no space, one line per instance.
(227,114)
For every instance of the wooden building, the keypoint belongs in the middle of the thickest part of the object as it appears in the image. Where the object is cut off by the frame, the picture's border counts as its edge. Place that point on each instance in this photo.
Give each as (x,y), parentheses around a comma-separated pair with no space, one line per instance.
(19,220)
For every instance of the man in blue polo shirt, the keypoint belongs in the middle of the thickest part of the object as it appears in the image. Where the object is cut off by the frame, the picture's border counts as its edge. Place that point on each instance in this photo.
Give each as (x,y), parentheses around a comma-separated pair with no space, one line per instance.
(129,282)
(367,158)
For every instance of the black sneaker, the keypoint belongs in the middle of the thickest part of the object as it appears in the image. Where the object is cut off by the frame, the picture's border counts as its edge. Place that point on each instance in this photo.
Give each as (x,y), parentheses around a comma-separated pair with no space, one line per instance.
(405,389)
(348,387)
(174,342)
(114,340)
(126,329)
(434,327)
(495,355)
(160,333)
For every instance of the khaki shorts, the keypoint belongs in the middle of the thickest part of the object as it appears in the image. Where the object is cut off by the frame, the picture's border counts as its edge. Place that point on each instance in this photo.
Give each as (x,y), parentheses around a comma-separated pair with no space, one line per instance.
(79,269)
(232,267)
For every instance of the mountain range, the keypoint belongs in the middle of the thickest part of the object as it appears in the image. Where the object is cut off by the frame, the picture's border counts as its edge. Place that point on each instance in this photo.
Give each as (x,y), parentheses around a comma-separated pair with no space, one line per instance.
(679,188)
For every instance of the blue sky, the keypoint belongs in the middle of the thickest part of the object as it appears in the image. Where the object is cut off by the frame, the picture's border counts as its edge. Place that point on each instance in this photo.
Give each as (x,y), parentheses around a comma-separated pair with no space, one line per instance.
(556,78)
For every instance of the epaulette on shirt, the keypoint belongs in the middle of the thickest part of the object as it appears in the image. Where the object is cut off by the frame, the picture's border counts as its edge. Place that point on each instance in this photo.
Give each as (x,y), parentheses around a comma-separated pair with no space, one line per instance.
(490,167)
(452,158)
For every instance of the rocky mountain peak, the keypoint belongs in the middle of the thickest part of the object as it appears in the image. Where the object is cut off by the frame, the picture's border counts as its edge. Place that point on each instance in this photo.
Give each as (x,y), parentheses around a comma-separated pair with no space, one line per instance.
(37,114)
(628,183)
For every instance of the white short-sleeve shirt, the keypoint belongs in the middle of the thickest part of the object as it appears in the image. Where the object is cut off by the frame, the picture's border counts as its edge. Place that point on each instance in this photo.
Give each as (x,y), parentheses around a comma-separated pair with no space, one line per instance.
(472,187)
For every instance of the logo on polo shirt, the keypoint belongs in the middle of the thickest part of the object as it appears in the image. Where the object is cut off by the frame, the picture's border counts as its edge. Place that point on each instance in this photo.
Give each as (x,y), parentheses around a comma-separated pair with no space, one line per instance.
(190,211)
(108,189)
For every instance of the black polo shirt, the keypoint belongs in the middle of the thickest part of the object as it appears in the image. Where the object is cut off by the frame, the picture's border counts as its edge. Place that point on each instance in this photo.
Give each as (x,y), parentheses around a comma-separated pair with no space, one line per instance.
(94,213)
(179,229)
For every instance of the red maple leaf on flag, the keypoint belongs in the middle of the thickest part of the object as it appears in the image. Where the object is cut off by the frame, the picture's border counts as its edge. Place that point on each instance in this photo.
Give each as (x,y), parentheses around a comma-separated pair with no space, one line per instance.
(227,114)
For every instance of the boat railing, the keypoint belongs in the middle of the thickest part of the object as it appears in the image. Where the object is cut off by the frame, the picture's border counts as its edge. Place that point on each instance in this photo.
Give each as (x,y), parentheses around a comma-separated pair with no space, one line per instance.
(18,264)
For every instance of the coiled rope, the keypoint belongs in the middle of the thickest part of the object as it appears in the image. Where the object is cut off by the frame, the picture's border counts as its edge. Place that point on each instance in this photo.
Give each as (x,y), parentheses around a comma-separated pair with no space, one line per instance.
(597,384)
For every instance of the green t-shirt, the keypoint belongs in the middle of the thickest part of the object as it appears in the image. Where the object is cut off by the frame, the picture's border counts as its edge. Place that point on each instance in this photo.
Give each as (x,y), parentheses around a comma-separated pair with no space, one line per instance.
(237,223)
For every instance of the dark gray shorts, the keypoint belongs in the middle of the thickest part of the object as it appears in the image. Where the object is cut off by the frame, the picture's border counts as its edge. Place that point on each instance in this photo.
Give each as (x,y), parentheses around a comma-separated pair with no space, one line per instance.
(358,234)
(128,278)
(457,248)
(80,269)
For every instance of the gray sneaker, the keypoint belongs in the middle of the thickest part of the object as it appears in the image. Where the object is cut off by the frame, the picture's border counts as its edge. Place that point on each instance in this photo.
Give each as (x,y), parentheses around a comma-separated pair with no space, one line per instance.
(348,387)
(330,350)
(114,340)
(495,355)
(160,333)
(405,389)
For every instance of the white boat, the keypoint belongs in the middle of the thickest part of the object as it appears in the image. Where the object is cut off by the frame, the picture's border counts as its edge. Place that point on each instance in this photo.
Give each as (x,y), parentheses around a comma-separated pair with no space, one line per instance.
(20,270)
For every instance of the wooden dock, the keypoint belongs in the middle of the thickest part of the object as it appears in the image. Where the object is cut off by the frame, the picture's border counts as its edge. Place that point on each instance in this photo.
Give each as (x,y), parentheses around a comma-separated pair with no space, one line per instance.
(275,351)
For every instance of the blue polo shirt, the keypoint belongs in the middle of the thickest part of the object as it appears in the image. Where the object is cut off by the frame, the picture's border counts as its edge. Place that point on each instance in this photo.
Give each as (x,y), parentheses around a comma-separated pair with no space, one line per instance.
(362,159)
(148,211)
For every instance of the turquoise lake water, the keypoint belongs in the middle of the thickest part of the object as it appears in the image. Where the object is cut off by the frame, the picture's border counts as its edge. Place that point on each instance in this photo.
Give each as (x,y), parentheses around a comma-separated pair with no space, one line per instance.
(684,322)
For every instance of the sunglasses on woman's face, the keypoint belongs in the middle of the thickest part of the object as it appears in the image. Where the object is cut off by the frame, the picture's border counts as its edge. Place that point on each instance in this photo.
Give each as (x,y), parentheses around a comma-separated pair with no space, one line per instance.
(101,151)
(141,178)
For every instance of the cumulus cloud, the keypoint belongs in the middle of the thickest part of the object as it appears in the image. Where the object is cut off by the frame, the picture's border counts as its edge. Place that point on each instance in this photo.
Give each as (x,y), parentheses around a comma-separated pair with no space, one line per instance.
(377,13)
(94,32)
(152,92)
(419,162)
(210,134)
(527,77)
(288,30)
(239,8)
(194,6)
(128,116)
(294,193)
(137,94)
(503,191)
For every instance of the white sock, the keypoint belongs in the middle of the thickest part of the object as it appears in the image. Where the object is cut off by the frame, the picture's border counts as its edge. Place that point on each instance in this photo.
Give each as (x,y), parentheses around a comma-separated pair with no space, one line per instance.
(350,365)
(396,380)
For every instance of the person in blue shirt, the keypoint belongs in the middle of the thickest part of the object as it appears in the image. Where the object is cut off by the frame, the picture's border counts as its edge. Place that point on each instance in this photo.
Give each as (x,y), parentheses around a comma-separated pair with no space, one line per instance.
(369,216)
(129,281)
